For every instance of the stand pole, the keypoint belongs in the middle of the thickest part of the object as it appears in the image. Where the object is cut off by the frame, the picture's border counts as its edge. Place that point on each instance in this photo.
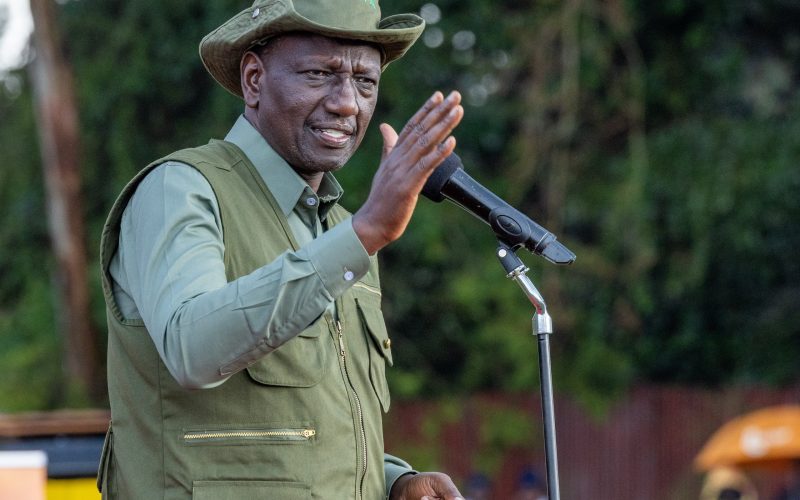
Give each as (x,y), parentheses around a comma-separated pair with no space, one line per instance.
(548,414)
(542,327)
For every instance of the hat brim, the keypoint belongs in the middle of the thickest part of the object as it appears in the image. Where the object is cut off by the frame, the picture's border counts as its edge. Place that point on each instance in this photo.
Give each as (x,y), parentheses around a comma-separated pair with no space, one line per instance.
(222,49)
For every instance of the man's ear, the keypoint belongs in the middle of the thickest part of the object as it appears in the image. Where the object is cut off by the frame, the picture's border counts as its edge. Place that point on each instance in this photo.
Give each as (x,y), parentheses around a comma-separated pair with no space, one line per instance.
(251,70)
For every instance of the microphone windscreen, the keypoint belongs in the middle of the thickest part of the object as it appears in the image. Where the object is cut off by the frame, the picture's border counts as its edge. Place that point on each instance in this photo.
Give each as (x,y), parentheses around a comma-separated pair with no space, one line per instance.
(433,187)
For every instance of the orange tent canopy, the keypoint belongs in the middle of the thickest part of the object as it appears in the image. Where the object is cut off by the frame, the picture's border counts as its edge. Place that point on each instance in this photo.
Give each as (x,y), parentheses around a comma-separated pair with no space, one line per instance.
(766,436)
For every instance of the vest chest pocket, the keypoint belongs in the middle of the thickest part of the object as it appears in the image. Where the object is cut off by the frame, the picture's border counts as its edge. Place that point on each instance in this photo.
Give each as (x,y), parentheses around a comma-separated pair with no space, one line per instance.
(380,352)
(300,362)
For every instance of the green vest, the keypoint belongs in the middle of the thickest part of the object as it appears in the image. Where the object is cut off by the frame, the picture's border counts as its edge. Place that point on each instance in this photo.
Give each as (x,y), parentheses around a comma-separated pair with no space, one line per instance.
(301,422)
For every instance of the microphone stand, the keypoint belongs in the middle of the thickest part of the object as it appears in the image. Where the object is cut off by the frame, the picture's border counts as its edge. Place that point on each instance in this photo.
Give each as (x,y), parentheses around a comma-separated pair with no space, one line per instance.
(542,328)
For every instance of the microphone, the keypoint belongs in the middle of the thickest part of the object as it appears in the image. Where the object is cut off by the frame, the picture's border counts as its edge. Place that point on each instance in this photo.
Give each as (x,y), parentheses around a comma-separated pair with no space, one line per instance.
(512,227)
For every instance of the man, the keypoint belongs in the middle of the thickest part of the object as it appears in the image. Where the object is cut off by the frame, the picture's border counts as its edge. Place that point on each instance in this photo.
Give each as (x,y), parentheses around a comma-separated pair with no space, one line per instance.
(247,348)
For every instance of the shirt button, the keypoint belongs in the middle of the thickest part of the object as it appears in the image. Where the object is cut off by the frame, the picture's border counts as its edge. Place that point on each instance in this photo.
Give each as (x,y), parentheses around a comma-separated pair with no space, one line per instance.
(349,275)
(387,343)
(311,201)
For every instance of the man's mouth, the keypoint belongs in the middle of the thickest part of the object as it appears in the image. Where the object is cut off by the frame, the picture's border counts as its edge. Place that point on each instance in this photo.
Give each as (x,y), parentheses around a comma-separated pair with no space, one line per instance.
(333,137)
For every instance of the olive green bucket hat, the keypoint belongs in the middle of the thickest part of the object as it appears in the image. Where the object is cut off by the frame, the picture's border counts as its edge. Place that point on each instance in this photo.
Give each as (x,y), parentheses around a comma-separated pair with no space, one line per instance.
(222,49)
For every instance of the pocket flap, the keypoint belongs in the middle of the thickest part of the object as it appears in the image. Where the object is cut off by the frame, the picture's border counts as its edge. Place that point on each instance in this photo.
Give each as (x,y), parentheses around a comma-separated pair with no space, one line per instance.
(299,362)
(372,317)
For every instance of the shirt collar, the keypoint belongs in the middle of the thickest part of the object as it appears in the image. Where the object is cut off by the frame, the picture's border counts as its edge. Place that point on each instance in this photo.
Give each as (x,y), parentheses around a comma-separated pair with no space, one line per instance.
(284,183)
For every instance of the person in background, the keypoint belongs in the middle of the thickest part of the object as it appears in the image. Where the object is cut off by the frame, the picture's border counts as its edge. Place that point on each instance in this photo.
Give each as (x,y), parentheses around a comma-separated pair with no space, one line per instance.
(791,490)
(530,486)
(727,483)
(479,487)
(247,347)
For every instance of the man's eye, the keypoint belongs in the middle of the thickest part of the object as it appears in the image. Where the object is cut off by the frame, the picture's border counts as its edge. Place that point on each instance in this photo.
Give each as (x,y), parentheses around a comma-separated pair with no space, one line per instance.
(316,73)
(365,81)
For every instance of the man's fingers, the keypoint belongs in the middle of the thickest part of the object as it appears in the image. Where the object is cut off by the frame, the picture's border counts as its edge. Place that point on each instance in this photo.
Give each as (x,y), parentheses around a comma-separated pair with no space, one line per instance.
(432,119)
(425,144)
(437,129)
(444,125)
(442,111)
(426,108)
(444,487)
(447,490)
(435,156)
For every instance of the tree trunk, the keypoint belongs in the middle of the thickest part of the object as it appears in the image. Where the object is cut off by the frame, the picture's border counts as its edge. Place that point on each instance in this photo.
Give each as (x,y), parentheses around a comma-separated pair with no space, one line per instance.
(57,116)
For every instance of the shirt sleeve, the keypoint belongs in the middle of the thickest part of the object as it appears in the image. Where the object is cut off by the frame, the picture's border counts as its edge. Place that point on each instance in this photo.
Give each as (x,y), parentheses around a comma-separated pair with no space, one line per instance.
(170,265)
(393,468)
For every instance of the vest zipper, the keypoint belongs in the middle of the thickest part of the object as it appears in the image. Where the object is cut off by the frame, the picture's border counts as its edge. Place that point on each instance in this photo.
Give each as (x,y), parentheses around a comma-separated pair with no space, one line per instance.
(360,411)
(271,434)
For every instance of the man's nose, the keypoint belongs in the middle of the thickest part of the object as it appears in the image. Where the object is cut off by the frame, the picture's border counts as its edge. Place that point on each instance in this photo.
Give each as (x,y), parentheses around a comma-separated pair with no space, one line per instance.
(343,98)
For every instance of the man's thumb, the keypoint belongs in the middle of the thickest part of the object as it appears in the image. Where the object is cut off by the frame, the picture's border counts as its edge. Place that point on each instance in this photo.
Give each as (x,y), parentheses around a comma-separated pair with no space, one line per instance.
(389,139)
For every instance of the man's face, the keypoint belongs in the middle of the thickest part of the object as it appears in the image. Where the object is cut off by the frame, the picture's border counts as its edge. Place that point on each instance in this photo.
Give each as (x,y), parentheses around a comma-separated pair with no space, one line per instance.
(316,97)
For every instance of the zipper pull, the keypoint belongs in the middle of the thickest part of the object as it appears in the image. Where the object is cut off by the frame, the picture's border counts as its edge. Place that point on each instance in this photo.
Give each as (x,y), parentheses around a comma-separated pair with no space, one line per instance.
(341,337)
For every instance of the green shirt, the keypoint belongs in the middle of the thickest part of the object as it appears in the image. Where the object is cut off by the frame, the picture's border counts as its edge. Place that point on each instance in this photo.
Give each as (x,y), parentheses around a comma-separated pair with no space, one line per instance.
(169,269)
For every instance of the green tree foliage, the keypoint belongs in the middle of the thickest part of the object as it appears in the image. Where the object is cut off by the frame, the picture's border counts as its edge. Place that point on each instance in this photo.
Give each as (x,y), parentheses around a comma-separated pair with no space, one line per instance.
(142,88)
(726,276)
(655,138)
(28,343)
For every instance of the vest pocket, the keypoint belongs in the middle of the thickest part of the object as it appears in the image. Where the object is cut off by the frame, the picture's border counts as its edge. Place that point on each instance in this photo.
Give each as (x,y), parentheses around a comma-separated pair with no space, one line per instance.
(380,352)
(299,362)
(249,490)
(242,436)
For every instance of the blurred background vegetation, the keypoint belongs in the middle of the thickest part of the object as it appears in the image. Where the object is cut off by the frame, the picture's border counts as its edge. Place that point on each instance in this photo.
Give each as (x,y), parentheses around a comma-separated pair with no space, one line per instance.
(658,140)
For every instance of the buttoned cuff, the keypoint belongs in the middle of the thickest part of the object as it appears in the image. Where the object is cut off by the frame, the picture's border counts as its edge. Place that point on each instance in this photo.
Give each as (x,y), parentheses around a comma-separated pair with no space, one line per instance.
(338,257)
